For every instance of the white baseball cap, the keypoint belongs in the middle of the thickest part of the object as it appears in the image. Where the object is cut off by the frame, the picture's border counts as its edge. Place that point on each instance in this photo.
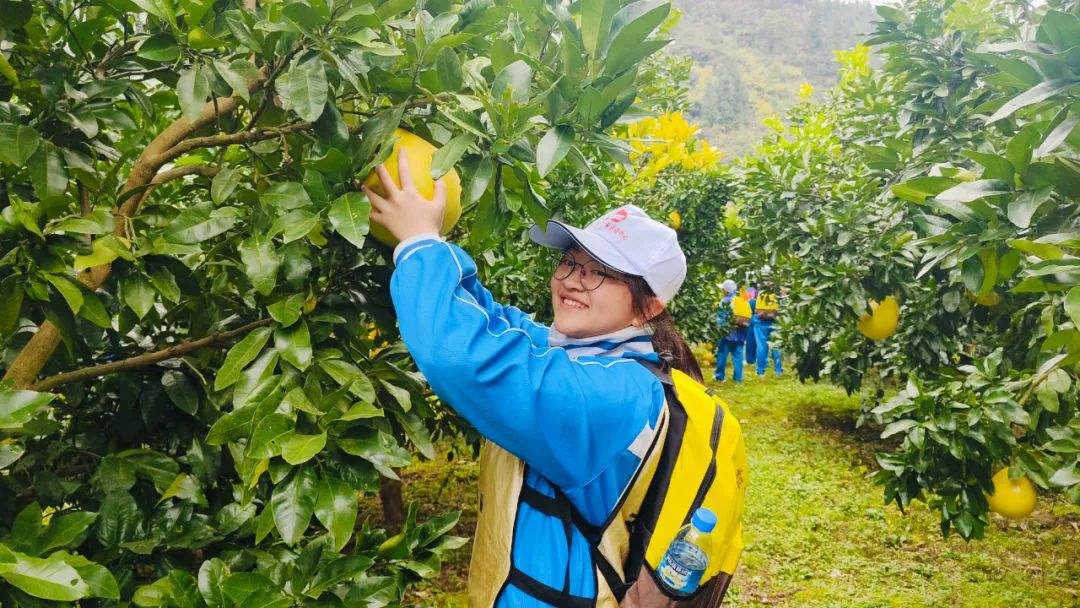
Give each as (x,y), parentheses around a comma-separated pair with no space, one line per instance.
(729,286)
(629,241)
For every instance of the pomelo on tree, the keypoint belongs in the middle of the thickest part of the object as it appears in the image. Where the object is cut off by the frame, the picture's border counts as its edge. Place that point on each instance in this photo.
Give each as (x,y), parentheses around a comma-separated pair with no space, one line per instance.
(882,320)
(676,220)
(989,300)
(420,153)
(1013,498)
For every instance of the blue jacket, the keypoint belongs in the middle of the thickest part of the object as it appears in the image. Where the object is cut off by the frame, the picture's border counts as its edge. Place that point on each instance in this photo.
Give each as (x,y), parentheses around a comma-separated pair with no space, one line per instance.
(578,414)
(739,335)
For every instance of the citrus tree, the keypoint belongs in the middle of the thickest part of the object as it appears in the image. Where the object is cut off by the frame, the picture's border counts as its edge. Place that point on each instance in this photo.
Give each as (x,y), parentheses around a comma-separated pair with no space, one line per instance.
(948,179)
(200,373)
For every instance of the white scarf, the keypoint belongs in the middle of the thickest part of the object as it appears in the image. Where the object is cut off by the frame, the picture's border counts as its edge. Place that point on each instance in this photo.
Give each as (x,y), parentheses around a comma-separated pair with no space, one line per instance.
(615,344)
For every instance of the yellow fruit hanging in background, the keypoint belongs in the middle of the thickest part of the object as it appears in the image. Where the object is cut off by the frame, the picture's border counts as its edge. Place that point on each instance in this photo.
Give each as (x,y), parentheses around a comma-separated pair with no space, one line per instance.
(420,153)
(1013,498)
(989,300)
(882,320)
(676,220)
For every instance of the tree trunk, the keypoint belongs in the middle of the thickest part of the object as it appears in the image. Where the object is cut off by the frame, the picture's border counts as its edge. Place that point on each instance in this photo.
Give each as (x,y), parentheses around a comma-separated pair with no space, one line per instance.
(393,505)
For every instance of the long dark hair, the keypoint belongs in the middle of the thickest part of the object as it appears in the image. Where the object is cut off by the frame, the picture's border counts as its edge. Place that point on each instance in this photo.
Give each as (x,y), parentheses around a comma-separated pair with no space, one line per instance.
(666,339)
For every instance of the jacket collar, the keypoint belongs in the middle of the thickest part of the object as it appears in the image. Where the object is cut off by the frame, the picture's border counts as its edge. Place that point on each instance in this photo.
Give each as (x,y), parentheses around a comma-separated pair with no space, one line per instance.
(626,342)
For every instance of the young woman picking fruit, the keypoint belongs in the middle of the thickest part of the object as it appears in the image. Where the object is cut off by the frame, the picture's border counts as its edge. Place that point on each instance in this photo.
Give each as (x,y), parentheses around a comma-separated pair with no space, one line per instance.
(569,410)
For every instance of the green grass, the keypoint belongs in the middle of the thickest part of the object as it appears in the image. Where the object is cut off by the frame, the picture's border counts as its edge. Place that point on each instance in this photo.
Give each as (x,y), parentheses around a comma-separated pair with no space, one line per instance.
(816,530)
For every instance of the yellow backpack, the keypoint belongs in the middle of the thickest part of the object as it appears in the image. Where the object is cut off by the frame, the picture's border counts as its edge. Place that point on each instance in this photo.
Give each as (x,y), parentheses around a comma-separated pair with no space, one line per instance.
(767,307)
(702,463)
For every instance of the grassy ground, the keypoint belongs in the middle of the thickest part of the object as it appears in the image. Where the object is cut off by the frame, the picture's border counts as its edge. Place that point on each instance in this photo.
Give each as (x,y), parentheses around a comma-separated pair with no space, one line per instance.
(817,533)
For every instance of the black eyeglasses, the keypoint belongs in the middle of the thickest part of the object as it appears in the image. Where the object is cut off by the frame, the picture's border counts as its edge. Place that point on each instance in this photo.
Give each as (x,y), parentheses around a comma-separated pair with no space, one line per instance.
(593,273)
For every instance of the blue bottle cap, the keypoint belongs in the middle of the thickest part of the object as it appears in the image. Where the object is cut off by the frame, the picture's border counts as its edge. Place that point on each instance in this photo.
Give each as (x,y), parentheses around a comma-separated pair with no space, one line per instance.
(704,520)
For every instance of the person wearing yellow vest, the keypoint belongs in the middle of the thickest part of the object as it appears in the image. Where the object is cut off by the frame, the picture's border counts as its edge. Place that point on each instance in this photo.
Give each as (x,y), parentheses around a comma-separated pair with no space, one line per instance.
(766,313)
(579,417)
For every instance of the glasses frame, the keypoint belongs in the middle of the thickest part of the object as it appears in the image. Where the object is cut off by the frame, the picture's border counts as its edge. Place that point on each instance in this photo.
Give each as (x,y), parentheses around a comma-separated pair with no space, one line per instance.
(581,267)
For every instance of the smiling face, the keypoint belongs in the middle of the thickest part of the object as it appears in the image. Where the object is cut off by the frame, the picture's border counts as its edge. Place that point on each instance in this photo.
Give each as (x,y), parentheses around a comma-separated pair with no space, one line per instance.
(580,312)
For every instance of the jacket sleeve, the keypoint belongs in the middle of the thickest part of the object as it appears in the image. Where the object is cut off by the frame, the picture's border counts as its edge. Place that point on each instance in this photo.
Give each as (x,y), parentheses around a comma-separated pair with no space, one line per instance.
(568,419)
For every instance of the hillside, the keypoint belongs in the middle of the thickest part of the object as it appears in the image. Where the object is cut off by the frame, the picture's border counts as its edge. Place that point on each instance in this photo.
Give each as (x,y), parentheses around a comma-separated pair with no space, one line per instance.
(752,57)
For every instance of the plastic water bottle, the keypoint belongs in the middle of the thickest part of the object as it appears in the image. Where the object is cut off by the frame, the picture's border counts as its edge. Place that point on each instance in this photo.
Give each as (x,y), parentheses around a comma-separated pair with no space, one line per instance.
(687,556)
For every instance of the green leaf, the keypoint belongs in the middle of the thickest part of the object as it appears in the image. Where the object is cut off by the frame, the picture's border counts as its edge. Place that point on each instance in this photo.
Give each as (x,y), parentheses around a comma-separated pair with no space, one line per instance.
(1055,138)
(212,576)
(349,217)
(196,225)
(10,453)
(97,577)
(286,311)
(62,530)
(596,24)
(517,78)
(224,184)
(1035,94)
(137,294)
(448,156)
(18,143)
(417,433)
(287,196)
(7,71)
(118,519)
(261,263)
(448,67)
(553,148)
(69,289)
(1045,251)
(966,192)
(996,167)
(50,578)
(336,510)
(307,90)
(633,24)
(11,300)
(294,344)
(269,435)
(242,353)
(102,251)
(192,89)
(294,225)
(379,449)
(479,180)
(293,503)
(1060,29)
(299,449)
(1066,476)
(898,427)
(48,171)
(159,47)
(18,407)
(232,426)
(155,466)
(972,274)
(181,391)
(1023,208)
(1072,305)
(185,487)
(347,374)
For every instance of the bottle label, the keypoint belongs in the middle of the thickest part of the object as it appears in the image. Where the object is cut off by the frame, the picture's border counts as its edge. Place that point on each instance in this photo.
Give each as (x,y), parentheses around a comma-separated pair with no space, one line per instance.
(678,575)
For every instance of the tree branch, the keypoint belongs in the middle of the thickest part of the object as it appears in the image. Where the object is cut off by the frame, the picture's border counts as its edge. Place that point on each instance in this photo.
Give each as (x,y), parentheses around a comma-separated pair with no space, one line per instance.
(244,137)
(145,359)
(171,174)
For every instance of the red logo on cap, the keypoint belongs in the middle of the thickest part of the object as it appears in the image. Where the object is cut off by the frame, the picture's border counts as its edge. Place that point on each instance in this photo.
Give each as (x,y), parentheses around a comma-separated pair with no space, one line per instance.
(620,215)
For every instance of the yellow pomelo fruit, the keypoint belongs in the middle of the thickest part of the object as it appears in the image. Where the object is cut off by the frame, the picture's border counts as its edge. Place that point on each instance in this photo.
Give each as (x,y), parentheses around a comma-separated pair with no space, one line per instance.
(420,153)
(201,39)
(882,320)
(1013,498)
(676,220)
(989,300)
